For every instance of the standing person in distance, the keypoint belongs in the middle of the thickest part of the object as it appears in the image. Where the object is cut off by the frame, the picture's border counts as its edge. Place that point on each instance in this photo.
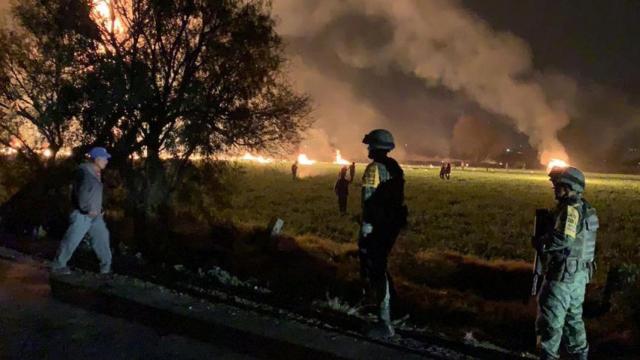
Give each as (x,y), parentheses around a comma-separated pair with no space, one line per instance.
(341,189)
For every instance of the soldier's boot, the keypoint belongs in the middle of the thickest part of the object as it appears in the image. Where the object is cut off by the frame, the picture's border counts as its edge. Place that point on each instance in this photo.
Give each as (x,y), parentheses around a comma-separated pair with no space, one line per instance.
(546,356)
(581,355)
(384,329)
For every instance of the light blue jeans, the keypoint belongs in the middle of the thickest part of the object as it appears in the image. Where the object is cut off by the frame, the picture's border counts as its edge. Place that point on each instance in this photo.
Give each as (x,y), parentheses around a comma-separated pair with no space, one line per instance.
(79,226)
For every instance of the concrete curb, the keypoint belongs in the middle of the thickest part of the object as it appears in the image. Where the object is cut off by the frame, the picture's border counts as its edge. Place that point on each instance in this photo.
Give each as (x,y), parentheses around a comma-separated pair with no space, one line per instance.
(240,329)
(90,290)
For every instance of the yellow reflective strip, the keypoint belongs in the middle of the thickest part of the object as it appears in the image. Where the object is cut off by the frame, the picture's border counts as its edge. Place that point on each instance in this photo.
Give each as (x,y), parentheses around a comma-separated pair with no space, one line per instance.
(371,177)
(571,225)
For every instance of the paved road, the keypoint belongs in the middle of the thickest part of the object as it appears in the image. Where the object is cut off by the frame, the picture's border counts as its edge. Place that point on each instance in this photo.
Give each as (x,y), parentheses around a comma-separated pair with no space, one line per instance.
(33,325)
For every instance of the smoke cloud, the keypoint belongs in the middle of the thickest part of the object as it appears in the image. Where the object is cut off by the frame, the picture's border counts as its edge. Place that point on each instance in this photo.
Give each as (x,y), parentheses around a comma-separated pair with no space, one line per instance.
(421,67)
(476,140)
(460,62)
(335,104)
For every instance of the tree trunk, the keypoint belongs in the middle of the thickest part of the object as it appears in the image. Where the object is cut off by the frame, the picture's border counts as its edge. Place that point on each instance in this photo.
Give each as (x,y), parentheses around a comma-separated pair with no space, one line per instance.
(151,210)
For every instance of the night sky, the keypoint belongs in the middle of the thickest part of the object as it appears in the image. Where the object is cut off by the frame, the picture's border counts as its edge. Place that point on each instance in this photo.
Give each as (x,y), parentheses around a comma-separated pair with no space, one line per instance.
(471,58)
(589,40)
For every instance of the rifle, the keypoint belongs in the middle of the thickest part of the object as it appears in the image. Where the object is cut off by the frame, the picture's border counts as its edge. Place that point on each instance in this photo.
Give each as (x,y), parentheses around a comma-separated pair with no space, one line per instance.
(542,226)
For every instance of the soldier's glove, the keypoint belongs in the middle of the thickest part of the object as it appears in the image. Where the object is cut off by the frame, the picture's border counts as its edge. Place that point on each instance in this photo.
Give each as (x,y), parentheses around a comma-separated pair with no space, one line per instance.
(366,229)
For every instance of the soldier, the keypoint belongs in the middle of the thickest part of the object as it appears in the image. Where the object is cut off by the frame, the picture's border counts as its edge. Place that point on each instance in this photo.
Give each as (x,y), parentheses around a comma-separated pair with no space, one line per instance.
(86,216)
(383,216)
(342,190)
(568,254)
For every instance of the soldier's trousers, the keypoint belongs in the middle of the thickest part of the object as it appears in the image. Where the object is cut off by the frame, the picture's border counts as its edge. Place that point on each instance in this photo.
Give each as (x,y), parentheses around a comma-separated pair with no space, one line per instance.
(374,252)
(560,316)
(79,226)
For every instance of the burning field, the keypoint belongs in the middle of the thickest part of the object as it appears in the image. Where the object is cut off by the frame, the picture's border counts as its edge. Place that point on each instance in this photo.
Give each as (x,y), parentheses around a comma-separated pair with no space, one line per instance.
(466,254)
(484,213)
(462,266)
(316,76)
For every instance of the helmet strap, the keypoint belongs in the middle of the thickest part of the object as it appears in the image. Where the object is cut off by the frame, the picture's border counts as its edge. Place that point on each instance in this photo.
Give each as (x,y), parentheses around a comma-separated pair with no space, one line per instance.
(378,154)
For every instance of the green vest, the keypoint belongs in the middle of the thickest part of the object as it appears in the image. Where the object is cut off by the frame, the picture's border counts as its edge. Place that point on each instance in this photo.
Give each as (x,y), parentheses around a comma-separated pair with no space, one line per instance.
(584,247)
(579,253)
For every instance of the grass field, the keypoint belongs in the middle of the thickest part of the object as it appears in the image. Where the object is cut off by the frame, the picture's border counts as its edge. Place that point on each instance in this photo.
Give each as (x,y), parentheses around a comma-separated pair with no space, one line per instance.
(485,214)
(462,265)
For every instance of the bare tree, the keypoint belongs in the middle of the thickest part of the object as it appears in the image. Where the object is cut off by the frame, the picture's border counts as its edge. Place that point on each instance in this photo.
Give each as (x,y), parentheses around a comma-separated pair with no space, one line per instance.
(42,61)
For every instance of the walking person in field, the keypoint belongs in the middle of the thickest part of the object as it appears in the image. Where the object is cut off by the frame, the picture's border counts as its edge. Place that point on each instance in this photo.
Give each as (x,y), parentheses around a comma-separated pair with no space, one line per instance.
(342,190)
(294,170)
(383,216)
(447,171)
(443,171)
(86,216)
(352,171)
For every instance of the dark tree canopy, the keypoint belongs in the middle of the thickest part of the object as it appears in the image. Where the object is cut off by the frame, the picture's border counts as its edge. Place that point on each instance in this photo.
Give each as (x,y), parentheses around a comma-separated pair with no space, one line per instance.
(172,77)
(151,78)
(190,76)
(186,77)
(42,61)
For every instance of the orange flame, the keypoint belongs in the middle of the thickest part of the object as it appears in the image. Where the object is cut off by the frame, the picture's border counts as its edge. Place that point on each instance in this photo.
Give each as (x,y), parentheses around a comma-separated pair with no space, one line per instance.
(553,163)
(258,159)
(304,160)
(102,12)
(8,151)
(15,143)
(339,160)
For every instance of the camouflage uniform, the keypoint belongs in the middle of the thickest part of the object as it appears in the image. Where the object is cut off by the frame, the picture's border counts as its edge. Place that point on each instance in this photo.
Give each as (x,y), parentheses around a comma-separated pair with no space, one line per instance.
(568,259)
(383,215)
(374,249)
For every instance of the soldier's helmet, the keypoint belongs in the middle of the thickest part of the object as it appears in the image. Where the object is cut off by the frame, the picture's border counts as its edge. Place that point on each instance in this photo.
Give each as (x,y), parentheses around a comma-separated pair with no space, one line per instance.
(379,139)
(570,176)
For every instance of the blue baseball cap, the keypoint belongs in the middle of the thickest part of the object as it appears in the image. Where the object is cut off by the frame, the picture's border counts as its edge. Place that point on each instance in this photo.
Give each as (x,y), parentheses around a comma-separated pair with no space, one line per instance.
(98,152)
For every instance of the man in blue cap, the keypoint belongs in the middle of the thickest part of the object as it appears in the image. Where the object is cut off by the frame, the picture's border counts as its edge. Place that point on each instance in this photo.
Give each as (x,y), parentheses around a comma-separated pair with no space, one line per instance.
(86,216)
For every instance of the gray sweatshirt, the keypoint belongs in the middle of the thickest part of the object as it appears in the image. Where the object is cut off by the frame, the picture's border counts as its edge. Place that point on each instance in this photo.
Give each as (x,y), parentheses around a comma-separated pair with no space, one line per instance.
(87,190)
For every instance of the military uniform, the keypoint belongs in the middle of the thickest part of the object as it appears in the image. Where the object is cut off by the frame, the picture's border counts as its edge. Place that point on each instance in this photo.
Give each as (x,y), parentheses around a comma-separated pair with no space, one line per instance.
(383,215)
(568,258)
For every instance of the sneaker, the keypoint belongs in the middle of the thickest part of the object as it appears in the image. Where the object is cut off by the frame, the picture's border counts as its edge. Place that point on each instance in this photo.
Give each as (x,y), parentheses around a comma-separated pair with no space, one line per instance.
(382,331)
(61,271)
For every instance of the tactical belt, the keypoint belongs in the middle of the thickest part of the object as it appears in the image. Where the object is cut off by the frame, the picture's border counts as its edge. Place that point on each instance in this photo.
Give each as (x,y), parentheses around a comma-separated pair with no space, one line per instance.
(585,265)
